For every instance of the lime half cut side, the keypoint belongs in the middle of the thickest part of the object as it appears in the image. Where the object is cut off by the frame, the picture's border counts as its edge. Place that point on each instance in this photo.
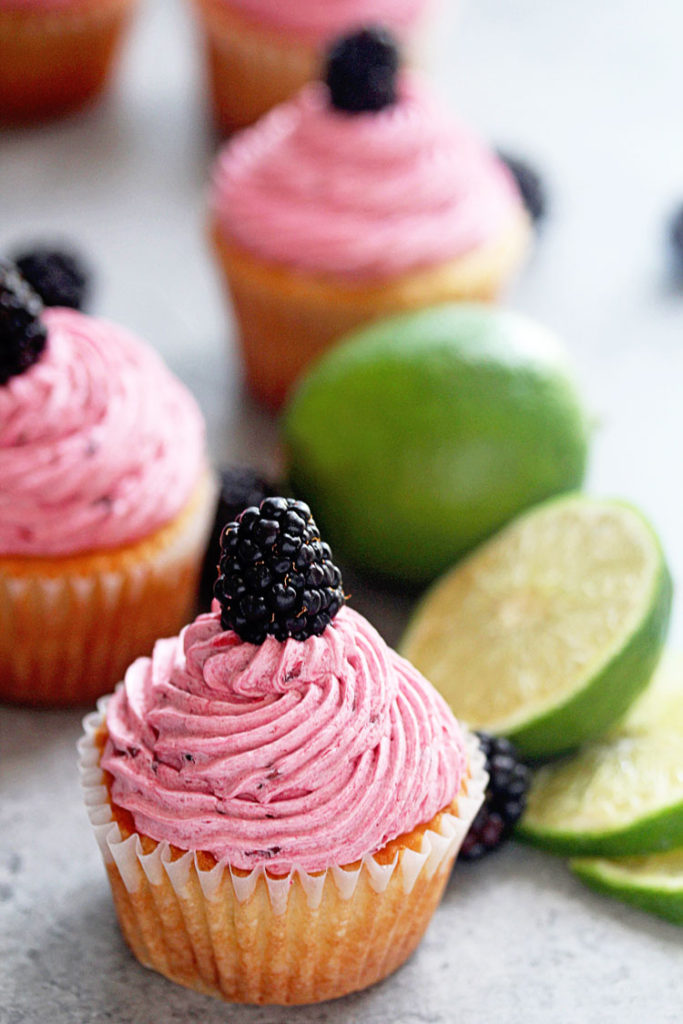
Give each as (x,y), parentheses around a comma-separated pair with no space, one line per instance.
(613,799)
(548,631)
(654,883)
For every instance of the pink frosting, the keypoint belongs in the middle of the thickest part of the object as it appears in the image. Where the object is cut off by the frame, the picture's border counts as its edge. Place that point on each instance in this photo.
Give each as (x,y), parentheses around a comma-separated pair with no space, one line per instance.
(365,196)
(308,753)
(99,444)
(321,20)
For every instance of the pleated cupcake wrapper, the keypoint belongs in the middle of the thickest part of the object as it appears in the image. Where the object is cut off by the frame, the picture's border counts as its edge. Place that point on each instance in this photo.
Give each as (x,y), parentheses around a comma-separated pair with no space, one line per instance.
(437,849)
(66,639)
(252,938)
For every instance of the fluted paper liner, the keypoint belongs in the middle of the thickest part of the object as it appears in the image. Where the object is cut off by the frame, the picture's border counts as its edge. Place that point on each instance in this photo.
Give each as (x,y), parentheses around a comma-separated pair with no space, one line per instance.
(287,318)
(255,938)
(69,628)
(54,60)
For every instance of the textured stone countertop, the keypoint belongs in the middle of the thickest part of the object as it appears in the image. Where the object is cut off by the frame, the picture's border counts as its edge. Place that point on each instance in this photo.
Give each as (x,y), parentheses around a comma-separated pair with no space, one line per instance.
(591,91)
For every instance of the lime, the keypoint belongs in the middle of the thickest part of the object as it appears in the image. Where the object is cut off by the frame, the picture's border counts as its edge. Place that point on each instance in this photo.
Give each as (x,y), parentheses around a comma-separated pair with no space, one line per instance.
(548,632)
(420,436)
(660,706)
(613,799)
(651,883)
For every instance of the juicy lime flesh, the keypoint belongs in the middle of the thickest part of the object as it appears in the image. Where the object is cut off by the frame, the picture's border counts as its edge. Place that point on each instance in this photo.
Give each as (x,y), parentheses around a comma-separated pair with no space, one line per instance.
(660,706)
(532,616)
(421,436)
(608,786)
(657,871)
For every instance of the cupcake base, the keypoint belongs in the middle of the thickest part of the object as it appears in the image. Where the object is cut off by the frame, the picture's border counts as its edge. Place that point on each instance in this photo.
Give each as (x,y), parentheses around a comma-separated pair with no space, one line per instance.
(52,62)
(286,319)
(250,69)
(254,938)
(69,627)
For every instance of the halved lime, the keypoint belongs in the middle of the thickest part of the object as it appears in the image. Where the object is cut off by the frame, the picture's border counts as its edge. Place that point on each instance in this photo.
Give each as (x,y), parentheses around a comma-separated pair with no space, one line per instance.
(652,883)
(660,706)
(547,632)
(613,799)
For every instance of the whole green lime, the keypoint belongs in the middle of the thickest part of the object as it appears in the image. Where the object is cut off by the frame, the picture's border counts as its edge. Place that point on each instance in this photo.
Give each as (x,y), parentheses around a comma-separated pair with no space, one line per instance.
(419,436)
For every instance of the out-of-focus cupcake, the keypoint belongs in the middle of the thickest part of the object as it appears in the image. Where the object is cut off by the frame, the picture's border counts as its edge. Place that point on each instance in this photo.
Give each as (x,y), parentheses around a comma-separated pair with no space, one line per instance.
(278,813)
(105,500)
(261,52)
(360,198)
(55,55)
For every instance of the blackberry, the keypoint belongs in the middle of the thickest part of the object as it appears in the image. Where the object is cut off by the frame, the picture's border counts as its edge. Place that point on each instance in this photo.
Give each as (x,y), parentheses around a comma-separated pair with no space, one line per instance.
(504,801)
(530,185)
(361,71)
(277,576)
(240,487)
(22,332)
(676,236)
(60,278)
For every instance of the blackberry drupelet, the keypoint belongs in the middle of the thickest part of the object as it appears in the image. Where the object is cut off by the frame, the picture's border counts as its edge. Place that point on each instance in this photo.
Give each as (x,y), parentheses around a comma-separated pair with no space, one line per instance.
(361,71)
(22,332)
(530,185)
(277,576)
(60,278)
(240,487)
(504,801)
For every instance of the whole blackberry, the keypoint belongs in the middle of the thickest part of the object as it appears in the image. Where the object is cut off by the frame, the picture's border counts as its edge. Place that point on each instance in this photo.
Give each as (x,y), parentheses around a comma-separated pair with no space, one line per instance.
(276,575)
(60,278)
(530,185)
(22,332)
(361,71)
(240,487)
(504,801)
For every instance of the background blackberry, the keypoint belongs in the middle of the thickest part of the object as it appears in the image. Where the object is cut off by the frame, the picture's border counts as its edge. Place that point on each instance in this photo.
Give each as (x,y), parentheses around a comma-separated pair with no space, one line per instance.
(504,801)
(361,71)
(22,332)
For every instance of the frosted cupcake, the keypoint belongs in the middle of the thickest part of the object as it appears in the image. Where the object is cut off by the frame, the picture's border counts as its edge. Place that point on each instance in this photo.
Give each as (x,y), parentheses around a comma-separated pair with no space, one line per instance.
(55,55)
(277,795)
(105,500)
(261,52)
(360,198)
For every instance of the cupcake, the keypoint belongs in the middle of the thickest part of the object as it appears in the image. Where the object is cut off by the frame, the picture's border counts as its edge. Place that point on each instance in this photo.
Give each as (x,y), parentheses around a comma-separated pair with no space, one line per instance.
(105,500)
(360,198)
(277,795)
(261,52)
(55,55)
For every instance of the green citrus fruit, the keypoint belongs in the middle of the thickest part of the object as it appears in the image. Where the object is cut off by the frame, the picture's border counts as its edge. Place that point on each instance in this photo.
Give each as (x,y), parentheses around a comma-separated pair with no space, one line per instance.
(652,883)
(548,631)
(419,436)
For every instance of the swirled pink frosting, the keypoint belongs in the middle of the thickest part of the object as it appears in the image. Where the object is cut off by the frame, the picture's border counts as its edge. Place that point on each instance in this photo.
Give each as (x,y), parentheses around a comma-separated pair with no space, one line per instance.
(308,753)
(321,20)
(364,196)
(99,444)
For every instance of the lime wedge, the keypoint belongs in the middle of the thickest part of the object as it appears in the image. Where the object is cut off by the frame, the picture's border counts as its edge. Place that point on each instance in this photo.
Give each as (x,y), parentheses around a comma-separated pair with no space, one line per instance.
(547,632)
(613,799)
(652,883)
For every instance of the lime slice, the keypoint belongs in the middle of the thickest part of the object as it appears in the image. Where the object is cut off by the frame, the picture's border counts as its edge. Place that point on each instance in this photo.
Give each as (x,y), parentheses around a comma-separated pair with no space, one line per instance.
(660,706)
(548,631)
(611,800)
(653,883)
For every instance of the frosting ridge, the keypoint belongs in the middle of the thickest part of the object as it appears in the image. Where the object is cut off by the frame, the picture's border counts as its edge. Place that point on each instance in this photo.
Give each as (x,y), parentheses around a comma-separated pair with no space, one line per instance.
(100,444)
(308,753)
(365,195)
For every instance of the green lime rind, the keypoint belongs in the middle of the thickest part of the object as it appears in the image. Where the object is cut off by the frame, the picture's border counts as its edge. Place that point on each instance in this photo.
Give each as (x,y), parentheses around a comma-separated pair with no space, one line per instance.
(652,833)
(587,713)
(650,890)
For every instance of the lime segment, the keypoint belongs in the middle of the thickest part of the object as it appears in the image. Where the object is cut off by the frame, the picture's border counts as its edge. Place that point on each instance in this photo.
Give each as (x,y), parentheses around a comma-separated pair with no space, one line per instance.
(651,883)
(548,631)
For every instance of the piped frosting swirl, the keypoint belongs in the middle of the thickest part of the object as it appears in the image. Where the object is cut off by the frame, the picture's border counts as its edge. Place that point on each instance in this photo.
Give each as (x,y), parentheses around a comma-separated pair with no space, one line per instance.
(100,445)
(363,196)
(308,753)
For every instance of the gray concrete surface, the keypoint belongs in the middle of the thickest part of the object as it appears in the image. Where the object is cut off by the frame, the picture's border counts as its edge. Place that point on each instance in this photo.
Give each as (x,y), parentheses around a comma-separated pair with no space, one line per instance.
(591,91)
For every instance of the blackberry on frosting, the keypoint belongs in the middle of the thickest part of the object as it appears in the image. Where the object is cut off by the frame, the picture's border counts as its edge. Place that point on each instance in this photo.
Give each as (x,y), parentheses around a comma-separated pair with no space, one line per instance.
(22,332)
(59,276)
(361,71)
(277,576)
